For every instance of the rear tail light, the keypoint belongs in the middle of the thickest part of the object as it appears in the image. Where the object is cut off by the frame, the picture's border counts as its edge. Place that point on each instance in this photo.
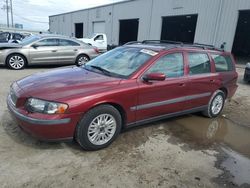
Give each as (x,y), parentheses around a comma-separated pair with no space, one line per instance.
(96,50)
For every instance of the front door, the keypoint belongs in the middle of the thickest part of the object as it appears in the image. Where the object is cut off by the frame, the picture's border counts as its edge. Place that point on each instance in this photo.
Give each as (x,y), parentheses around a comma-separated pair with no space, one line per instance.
(99,42)
(157,98)
(44,51)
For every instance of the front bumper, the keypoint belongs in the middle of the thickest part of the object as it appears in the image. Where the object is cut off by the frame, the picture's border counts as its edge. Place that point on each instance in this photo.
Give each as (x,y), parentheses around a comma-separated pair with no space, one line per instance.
(44,129)
(247,75)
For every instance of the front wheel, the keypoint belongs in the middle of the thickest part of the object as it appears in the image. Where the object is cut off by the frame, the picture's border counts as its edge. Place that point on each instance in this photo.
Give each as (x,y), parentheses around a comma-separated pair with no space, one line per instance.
(16,61)
(99,127)
(216,104)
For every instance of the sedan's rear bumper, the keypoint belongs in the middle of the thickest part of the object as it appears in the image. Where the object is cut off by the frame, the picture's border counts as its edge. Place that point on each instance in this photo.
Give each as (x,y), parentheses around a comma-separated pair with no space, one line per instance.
(44,129)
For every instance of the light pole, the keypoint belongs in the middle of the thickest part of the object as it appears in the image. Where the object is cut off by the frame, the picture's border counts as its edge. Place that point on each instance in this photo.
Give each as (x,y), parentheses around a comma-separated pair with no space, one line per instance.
(11,10)
(7,10)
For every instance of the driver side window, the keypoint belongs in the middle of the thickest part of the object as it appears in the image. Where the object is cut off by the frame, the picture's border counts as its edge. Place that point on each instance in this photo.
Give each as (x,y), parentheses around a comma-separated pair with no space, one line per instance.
(99,37)
(171,65)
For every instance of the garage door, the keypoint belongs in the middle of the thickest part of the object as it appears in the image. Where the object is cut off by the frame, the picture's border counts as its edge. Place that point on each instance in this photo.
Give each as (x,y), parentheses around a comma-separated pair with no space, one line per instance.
(241,47)
(98,27)
(179,28)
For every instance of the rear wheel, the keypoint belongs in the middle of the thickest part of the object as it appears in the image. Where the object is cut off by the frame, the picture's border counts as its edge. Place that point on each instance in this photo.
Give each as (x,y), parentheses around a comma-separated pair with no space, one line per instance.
(81,60)
(215,105)
(16,61)
(99,127)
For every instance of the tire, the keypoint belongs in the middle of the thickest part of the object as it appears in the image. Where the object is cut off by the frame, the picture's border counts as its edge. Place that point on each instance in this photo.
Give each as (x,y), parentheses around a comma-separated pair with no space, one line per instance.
(16,61)
(215,105)
(82,59)
(90,135)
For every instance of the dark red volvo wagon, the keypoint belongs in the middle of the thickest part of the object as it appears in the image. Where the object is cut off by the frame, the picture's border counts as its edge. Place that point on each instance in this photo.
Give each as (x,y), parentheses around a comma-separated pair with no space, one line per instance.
(134,84)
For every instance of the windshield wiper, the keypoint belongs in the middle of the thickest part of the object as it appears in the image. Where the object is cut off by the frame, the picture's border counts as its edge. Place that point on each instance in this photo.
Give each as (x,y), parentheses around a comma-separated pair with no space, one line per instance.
(101,69)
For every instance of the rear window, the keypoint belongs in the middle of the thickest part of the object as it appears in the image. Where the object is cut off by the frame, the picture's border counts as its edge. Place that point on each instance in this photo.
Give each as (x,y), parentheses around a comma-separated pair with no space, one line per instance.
(222,63)
(198,63)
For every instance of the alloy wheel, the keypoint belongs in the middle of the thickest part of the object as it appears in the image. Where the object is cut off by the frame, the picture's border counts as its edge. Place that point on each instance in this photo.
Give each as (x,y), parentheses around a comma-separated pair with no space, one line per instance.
(16,62)
(102,129)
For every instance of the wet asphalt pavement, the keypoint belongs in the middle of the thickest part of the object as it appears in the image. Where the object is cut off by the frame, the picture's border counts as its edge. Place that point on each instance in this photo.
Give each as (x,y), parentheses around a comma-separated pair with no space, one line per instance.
(187,151)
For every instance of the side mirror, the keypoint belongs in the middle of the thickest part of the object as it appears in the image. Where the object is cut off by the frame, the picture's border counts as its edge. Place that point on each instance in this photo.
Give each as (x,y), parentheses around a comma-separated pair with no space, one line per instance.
(35,46)
(154,77)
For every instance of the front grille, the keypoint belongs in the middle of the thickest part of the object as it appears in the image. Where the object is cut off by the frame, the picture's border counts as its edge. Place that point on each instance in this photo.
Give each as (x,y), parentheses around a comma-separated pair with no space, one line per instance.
(13,97)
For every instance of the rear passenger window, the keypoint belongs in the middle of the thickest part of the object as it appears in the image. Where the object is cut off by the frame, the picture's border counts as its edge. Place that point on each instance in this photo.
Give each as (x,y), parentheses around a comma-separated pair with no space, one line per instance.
(171,65)
(198,63)
(64,42)
(222,63)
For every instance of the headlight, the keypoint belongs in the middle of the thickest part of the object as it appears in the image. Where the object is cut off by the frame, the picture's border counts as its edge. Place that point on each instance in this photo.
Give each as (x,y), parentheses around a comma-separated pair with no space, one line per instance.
(45,107)
(248,65)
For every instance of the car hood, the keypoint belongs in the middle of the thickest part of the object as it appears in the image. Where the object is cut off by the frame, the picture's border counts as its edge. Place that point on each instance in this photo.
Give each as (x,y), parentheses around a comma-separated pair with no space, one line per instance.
(66,83)
(86,40)
(9,45)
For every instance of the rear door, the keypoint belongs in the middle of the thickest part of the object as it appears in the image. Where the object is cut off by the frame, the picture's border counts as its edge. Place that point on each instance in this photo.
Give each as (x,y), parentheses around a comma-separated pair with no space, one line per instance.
(202,81)
(68,50)
(45,51)
(158,98)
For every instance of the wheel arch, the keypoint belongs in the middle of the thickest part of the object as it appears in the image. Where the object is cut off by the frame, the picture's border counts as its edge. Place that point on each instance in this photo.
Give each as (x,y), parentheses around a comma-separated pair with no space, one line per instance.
(118,107)
(225,91)
(18,53)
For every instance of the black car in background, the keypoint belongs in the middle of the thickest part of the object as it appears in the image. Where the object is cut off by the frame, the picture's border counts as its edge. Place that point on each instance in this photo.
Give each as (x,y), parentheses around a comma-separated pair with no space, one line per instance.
(10,37)
(247,73)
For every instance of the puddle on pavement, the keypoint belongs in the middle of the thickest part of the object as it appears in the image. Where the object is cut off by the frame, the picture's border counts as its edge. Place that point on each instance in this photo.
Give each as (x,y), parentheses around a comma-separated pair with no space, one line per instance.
(205,132)
(238,166)
(233,140)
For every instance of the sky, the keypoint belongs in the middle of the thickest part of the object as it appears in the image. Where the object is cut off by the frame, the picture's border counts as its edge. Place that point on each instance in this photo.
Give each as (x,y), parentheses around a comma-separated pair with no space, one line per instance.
(33,14)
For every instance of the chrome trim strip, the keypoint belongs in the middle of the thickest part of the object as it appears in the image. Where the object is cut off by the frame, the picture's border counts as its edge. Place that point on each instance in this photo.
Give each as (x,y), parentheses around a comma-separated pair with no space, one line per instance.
(33,120)
(165,116)
(170,101)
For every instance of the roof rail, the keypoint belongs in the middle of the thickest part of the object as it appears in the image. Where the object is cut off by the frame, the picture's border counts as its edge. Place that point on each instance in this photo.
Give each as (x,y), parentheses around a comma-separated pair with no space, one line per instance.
(207,46)
(176,44)
(133,42)
(161,41)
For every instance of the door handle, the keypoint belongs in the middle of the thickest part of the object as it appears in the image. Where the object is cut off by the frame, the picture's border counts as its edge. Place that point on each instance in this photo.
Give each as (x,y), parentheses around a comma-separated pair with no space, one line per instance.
(212,81)
(182,84)
(75,50)
(54,51)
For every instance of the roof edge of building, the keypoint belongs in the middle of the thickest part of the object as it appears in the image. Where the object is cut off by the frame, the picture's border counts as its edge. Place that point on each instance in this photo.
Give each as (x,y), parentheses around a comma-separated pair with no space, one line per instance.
(110,4)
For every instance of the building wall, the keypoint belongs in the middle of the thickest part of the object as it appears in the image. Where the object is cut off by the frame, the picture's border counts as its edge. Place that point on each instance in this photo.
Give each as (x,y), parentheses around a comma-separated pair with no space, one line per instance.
(217,19)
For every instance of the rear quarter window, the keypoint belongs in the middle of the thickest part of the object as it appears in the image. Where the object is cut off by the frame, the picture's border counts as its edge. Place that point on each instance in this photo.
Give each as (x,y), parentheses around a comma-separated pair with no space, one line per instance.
(222,63)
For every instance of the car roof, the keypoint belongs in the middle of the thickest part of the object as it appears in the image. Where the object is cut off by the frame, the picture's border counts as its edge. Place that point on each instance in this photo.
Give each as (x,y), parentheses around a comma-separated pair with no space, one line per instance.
(160,45)
(53,35)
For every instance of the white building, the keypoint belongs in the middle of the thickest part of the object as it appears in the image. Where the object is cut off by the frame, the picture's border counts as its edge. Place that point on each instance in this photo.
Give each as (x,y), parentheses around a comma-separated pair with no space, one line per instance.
(200,21)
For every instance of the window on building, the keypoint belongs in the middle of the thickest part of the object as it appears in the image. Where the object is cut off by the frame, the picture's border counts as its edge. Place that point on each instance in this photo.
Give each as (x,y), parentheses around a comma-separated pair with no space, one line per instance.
(198,63)
(171,65)
(222,63)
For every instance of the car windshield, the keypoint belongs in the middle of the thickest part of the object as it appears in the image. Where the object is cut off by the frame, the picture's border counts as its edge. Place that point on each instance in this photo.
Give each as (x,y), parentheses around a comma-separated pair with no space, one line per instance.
(29,40)
(121,62)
